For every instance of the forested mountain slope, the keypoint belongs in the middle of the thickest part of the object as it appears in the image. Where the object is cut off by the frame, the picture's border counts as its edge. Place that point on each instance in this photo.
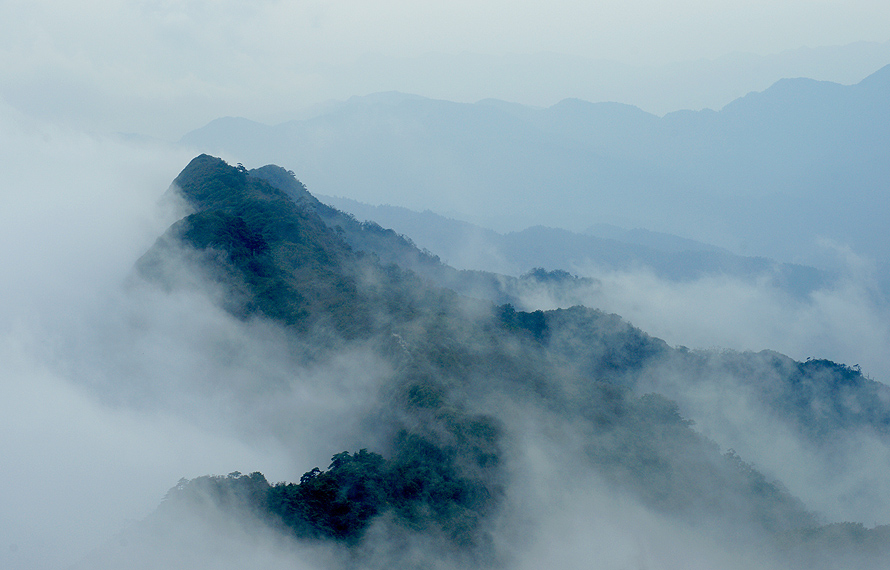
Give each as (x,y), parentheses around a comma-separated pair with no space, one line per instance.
(478,403)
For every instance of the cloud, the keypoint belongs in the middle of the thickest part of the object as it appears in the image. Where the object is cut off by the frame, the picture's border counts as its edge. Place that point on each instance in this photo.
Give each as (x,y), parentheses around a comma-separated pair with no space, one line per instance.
(77,472)
(75,212)
(560,513)
(848,321)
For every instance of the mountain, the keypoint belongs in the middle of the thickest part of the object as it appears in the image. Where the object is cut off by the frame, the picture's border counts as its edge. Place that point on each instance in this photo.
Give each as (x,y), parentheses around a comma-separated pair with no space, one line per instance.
(601,248)
(394,248)
(770,174)
(475,403)
(543,78)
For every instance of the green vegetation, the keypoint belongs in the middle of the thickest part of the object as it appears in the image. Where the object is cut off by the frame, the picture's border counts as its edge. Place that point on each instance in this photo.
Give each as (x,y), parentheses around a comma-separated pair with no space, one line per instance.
(421,486)
(457,363)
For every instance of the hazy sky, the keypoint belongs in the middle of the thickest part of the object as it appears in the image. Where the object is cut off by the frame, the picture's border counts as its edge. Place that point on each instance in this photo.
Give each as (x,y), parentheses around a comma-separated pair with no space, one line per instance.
(163,67)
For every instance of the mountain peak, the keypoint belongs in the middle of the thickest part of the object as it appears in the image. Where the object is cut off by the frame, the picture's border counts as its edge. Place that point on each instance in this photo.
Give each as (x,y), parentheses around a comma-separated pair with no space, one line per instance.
(208,179)
(286,181)
(879,79)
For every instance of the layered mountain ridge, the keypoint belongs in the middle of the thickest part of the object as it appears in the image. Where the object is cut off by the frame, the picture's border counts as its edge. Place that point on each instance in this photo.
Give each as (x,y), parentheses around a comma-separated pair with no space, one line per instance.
(474,384)
(800,162)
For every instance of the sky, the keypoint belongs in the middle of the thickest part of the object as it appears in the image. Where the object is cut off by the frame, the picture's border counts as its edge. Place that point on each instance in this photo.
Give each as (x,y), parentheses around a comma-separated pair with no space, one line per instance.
(162,67)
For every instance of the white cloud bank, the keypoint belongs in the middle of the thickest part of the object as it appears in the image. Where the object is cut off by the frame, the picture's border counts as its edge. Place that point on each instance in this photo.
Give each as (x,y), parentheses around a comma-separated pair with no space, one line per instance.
(75,212)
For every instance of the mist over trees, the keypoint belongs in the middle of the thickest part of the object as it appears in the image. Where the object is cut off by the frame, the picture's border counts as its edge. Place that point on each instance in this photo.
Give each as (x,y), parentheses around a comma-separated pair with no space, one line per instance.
(479,418)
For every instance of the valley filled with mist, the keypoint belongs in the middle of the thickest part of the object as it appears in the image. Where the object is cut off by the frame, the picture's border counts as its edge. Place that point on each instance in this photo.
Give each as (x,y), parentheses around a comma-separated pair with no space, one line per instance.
(409,332)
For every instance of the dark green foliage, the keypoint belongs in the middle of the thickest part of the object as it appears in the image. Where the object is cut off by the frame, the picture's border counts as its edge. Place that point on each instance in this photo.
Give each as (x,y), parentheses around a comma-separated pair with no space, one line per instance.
(557,276)
(425,396)
(227,232)
(206,185)
(420,486)
(338,503)
(535,322)
(286,181)
(428,489)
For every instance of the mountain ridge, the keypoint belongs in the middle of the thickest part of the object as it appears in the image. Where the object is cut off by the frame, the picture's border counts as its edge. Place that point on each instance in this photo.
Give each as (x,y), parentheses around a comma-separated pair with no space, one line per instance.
(472,247)
(756,168)
(450,442)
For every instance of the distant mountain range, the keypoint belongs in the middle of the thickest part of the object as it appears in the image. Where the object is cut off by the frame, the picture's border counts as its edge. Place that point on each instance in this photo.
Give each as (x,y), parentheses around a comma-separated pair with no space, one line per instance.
(544,78)
(773,174)
(601,247)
